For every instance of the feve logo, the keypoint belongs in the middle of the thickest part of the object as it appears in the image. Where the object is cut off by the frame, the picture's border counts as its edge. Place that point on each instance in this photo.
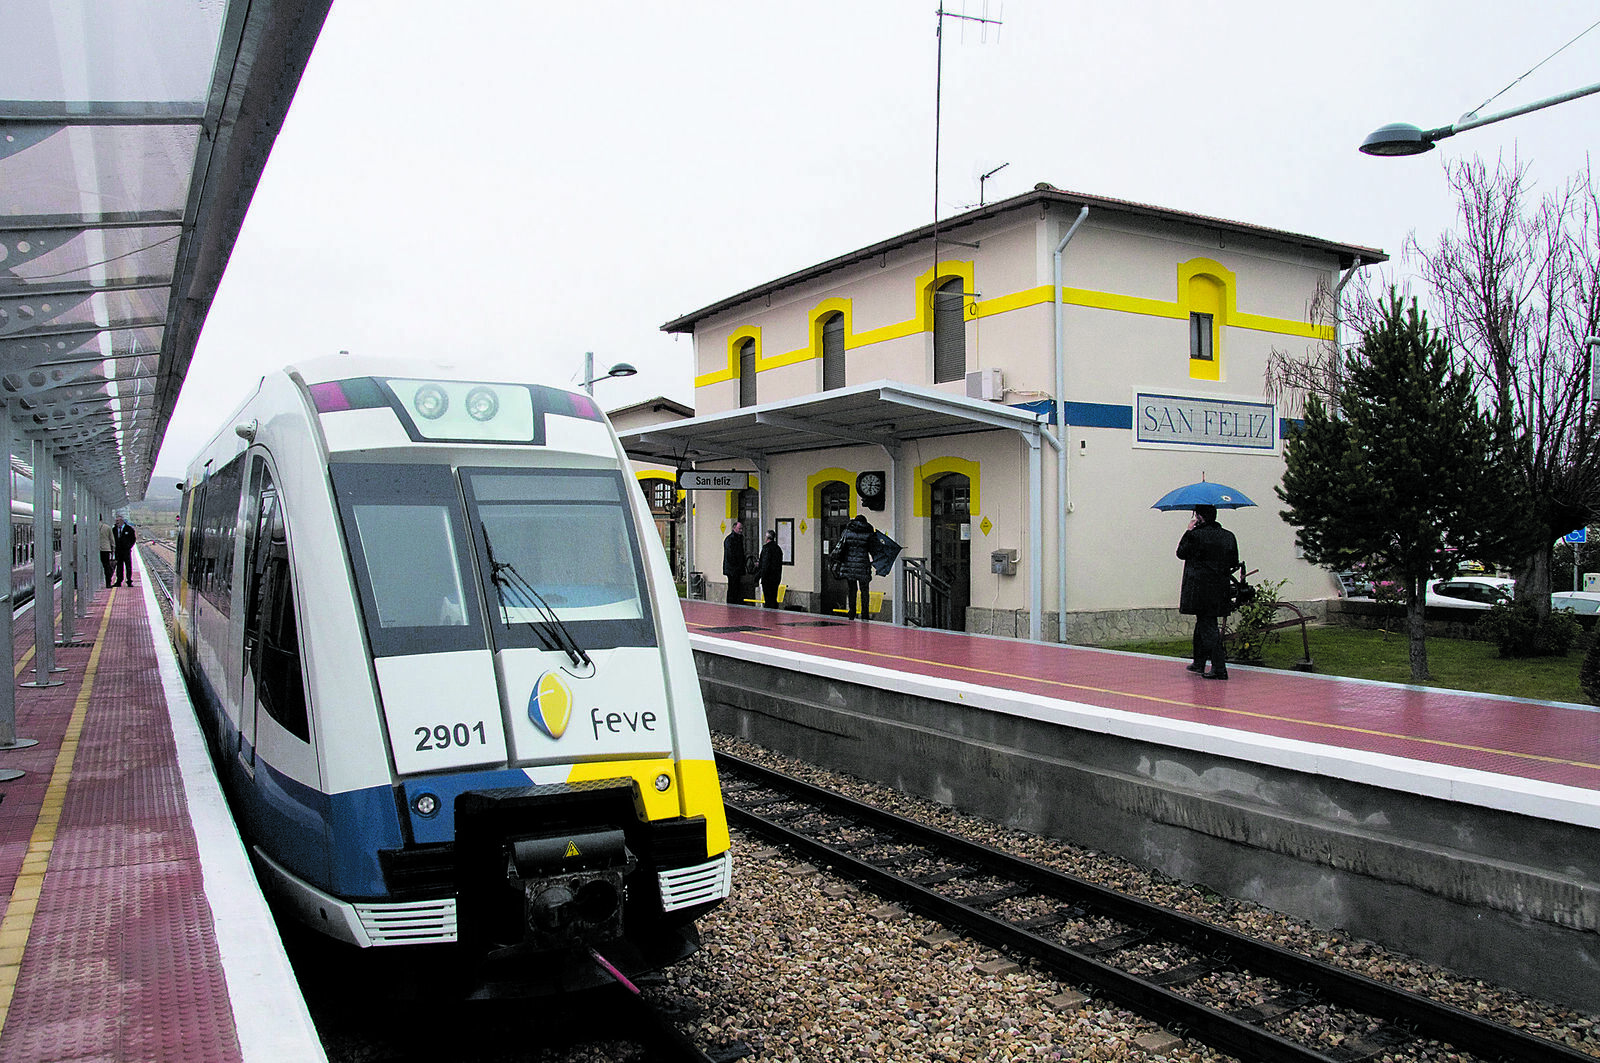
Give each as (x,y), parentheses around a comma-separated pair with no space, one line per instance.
(550,705)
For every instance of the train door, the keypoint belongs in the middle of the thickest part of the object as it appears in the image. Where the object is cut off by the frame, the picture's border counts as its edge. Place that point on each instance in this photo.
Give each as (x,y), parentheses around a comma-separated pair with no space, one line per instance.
(272,676)
(833,502)
(950,552)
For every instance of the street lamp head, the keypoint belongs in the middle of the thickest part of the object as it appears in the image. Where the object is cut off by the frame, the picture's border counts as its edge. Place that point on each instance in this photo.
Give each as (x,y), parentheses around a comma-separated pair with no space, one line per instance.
(1399,138)
(621,369)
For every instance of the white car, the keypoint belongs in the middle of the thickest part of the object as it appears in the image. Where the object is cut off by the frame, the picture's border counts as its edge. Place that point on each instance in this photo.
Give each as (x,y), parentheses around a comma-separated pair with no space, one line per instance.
(1469,592)
(1584,603)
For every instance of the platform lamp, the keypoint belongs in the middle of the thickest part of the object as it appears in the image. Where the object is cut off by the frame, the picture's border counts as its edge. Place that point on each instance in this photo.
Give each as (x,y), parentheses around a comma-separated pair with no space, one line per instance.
(1402,138)
(620,369)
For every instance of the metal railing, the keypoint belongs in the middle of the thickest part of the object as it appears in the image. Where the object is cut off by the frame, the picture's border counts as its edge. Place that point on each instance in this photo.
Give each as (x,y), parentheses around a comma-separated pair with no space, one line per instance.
(926,595)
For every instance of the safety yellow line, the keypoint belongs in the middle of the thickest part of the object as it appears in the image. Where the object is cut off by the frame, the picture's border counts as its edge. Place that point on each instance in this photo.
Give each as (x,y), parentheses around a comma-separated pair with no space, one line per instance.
(1190,704)
(24,899)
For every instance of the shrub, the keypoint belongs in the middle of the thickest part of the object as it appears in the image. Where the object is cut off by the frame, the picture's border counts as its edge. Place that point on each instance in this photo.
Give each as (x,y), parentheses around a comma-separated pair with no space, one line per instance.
(1516,629)
(1589,671)
(1251,636)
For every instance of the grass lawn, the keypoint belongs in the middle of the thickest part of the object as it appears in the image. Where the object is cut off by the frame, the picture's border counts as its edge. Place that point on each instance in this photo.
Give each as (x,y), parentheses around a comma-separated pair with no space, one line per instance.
(1456,664)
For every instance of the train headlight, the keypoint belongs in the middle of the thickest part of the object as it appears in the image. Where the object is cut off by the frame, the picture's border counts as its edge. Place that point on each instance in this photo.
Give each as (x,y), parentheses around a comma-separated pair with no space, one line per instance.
(431,401)
(425,805)
(663,782)
(482,403)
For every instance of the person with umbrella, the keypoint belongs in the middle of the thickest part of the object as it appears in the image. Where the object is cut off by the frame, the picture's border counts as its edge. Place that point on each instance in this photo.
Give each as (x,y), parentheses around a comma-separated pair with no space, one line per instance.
(1210,553)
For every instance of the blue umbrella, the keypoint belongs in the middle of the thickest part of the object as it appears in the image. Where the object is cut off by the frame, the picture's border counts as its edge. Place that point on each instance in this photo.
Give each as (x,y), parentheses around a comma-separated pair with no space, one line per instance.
(1203,494)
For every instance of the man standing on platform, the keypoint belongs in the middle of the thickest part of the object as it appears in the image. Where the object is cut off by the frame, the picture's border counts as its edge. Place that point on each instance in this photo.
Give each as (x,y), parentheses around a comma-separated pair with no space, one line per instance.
(1210,554)
(123,536)
(108,550)
(733,563)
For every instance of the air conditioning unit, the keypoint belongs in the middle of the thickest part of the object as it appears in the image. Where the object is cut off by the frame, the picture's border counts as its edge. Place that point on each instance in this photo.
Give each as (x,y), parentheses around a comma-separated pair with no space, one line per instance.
(985,384)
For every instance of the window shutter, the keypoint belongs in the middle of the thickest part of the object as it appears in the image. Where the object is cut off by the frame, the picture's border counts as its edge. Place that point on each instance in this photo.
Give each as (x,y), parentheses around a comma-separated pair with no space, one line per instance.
(949,333)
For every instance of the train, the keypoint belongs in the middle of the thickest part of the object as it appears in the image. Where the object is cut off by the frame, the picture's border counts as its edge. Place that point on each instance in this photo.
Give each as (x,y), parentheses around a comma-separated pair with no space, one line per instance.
(22,532)
(439,658)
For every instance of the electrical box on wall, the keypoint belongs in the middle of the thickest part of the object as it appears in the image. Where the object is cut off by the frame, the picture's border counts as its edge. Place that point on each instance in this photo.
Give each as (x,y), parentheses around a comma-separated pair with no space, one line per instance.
(985,384)
(1003,562)
(1591,581)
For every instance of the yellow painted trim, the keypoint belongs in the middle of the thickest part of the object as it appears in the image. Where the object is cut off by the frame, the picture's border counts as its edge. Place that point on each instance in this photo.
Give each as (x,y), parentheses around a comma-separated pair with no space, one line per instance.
(923,476)
(973,309)
(731,371)
(930,280)
(657,474)
(697,792)
(29,885)
(1179,308)
(731,498)
(814,484)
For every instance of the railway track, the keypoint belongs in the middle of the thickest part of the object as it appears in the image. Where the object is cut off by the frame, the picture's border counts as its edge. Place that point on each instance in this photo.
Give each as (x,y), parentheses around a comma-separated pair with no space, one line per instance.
(1178,971)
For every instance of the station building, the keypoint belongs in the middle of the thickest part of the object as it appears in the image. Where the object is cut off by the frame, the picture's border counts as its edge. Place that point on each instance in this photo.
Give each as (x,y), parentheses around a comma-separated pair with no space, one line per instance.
(912,381)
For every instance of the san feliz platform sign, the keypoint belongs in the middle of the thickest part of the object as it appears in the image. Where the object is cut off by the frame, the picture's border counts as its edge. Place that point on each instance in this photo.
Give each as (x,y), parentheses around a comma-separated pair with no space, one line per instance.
(712,480)
(1196,421)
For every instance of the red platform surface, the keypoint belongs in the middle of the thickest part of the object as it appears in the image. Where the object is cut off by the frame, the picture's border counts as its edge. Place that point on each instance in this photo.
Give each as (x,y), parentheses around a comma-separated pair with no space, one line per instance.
(1517,739)
(107,948)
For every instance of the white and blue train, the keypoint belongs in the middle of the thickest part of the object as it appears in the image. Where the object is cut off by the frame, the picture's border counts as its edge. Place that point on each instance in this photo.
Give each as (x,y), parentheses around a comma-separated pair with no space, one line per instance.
(438,652)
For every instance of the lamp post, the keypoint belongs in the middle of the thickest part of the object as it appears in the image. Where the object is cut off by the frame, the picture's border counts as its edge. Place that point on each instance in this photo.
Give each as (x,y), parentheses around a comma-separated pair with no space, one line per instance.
(1402,138)
(620,369)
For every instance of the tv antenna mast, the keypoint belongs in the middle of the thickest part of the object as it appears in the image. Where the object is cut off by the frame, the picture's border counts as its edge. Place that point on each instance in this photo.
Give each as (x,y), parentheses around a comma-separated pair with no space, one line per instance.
(984,21)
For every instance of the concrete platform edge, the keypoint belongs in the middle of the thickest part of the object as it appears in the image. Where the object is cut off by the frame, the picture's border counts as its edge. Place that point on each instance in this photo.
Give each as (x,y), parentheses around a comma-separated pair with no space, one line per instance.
(1562,804)
(270,1014)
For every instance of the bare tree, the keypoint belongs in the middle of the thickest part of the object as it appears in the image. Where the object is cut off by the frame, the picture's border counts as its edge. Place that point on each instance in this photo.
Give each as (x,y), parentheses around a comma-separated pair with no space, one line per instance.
(1516,285)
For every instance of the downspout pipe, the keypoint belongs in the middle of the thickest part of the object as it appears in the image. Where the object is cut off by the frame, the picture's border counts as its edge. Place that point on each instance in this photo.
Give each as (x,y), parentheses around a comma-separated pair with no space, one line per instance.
(1062,505)
(1338,322)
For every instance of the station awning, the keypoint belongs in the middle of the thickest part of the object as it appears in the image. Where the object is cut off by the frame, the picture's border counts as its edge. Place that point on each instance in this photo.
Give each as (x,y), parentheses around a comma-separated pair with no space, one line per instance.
(132,137)
(884,414)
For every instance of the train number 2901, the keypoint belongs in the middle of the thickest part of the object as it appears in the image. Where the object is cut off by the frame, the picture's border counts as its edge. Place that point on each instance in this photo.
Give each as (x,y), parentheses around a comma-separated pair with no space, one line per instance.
(443,736)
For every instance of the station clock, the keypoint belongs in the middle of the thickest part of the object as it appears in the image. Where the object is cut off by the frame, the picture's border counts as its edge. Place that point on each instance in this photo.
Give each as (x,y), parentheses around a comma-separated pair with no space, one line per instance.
(870,485)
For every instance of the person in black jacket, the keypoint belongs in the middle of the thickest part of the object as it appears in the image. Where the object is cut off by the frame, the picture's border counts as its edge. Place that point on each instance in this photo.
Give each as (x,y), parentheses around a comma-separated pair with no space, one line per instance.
(123,537)
(769,570)
(1210,554)
(733,562)
(855,563)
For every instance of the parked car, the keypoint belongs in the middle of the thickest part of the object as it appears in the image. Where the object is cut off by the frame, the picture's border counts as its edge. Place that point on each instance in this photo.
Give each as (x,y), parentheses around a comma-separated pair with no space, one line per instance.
(1584,603)
(1469,592)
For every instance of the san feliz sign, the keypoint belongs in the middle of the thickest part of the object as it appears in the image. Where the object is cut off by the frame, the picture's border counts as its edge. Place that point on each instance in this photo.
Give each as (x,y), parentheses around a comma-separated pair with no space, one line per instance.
(712,480)
(1192,421)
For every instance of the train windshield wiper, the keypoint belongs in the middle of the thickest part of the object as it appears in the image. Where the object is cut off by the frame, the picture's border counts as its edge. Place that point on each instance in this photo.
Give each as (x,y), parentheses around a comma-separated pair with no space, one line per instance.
(509,584)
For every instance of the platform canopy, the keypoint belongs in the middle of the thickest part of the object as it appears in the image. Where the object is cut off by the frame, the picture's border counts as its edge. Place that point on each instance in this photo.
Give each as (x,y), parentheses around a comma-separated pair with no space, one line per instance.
(885,413)
(132,136)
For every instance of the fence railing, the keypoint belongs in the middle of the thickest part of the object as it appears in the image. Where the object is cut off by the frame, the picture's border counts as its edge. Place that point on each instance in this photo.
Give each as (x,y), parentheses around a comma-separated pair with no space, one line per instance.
(926,595)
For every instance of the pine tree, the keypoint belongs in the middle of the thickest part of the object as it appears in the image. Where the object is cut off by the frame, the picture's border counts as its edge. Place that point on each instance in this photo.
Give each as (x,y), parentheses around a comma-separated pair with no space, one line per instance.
(1409,475)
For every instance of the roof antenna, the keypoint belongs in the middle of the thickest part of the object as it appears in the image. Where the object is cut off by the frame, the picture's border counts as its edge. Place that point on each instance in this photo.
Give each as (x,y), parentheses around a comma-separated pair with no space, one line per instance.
(984,21)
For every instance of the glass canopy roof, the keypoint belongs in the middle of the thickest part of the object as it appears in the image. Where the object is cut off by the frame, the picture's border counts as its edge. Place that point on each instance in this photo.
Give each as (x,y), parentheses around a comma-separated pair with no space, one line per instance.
(132,136)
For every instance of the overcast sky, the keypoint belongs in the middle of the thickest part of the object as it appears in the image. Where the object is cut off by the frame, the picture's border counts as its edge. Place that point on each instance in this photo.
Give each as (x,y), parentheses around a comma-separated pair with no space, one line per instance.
(512,183)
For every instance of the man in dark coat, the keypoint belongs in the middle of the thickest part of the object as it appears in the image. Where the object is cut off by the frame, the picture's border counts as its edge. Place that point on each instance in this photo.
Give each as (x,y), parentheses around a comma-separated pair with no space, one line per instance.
(1210,554)
(855,563)
(733,563)
(769,570)
(123,537)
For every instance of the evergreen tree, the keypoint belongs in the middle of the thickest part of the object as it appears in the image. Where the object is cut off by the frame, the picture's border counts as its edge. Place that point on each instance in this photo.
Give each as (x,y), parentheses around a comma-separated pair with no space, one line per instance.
(1410,475)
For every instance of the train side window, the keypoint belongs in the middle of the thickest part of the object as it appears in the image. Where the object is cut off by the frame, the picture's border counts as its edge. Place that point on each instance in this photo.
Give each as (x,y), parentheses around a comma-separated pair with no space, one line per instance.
(219,527)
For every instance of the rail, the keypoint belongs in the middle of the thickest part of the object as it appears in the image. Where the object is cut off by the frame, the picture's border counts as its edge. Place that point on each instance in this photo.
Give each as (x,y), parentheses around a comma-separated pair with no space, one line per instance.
(926,595)
(1087,933)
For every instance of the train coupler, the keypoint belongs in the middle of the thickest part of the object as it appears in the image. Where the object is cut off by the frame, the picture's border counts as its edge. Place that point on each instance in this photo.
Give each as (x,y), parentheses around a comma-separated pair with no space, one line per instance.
(571,885)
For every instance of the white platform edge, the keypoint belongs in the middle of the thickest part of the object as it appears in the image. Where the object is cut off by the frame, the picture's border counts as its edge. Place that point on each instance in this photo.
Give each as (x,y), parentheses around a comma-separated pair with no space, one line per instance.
(269,1011)
(1508,793)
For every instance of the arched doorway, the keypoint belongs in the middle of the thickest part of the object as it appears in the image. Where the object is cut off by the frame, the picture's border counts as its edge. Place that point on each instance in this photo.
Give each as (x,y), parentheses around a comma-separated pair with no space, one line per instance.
(950,540)
(833,503)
